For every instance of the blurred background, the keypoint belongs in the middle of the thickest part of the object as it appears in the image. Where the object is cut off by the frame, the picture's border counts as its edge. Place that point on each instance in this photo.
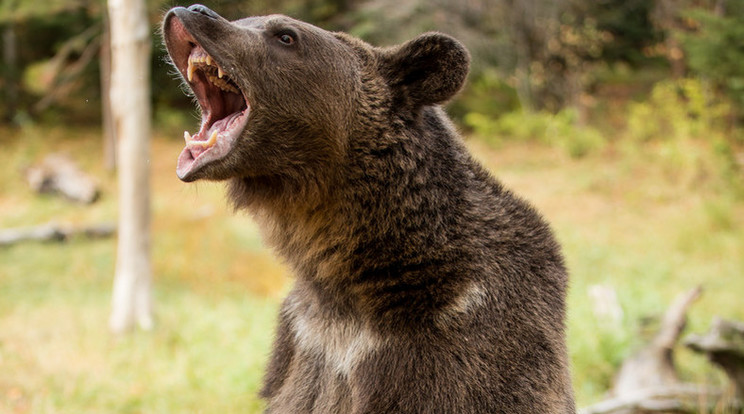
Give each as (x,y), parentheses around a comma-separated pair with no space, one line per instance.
(621,120)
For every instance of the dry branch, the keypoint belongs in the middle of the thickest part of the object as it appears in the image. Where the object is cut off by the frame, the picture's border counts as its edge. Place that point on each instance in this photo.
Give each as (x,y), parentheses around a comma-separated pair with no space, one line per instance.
(724,346)
(54,232)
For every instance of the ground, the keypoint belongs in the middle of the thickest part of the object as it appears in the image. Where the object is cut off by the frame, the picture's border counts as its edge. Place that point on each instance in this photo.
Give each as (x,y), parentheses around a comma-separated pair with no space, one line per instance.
(647,225)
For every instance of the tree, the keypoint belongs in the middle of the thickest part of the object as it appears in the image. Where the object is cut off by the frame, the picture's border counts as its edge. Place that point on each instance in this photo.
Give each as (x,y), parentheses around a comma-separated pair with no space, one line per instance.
(130,106)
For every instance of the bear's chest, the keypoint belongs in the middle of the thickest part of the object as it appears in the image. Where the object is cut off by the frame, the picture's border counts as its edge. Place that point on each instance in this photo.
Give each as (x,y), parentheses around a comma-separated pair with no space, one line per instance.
(337,344)
(327,352)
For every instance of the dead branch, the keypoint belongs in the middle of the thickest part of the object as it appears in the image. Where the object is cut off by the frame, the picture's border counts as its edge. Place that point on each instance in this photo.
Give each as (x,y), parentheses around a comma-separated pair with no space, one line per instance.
(54,232)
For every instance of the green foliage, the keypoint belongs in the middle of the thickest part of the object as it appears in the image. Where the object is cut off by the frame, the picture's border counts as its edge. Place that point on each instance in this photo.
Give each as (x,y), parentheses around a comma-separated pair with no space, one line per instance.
(688,129)
(716,49)
(561,130)
(21,10)
(677,110)
(485,93)
(628,22)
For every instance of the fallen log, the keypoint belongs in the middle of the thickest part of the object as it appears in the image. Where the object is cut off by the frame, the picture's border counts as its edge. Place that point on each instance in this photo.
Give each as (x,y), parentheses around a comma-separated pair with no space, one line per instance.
(58,174)
(54,232)
(680,398)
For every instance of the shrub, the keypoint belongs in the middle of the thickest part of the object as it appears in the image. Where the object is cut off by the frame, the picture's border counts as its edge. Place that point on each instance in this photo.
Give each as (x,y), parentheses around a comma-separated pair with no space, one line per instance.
(561,130)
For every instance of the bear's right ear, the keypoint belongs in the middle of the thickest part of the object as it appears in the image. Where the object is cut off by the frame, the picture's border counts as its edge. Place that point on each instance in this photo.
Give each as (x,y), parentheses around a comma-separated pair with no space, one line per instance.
(427,70)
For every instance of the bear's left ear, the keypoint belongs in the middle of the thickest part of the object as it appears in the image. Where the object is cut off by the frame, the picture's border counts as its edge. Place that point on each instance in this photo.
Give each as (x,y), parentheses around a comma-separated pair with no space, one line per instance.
(427,70)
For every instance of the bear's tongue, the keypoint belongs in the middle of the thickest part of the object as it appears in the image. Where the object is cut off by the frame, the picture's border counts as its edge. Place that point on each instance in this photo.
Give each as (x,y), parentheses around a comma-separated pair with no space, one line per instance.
(207,138)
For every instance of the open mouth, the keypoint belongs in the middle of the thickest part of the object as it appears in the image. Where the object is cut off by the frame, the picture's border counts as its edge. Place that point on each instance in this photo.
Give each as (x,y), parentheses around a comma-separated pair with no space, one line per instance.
(224,106)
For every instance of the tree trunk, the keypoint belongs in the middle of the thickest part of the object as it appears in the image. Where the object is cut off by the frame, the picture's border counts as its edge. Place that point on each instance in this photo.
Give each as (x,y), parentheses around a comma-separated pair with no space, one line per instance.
(10,59)
(109,138)
(130,106)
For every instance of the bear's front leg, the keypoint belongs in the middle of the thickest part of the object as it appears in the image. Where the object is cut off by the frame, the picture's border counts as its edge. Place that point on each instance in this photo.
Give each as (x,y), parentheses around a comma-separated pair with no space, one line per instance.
(281,358)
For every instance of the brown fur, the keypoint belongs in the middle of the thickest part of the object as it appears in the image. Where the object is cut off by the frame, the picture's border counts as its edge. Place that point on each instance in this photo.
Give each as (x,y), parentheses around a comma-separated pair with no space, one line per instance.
(423,286)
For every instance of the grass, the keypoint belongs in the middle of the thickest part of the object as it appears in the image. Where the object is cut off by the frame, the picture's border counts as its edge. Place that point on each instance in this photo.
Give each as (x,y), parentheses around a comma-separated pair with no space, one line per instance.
(629,219)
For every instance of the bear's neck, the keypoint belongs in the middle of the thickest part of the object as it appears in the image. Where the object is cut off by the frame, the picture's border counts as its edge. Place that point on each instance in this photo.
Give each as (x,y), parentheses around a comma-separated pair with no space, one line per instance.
(394,207)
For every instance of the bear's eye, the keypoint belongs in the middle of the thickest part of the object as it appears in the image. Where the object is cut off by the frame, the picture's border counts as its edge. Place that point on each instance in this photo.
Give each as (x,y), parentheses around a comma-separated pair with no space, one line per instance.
(286,38)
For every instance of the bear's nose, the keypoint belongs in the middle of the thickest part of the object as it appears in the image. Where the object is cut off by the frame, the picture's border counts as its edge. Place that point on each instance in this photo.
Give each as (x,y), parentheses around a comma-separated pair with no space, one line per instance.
(201,9)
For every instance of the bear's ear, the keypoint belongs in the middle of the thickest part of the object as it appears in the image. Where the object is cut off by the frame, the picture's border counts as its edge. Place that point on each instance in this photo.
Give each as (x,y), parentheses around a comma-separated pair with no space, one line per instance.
(427,70)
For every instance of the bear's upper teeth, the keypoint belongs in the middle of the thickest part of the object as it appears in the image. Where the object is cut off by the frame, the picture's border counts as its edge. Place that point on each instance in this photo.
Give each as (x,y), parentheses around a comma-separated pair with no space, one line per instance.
(199,59)
(190,70)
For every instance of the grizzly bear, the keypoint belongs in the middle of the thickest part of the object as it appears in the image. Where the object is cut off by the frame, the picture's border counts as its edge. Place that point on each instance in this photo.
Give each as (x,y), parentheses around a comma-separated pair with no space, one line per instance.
(422,284)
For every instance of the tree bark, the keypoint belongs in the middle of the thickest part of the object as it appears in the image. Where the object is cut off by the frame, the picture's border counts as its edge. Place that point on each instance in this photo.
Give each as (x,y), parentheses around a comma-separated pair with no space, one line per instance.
(130,106)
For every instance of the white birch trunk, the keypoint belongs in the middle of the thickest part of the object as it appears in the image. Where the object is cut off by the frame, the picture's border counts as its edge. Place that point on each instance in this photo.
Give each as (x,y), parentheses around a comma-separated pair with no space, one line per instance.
(130,105)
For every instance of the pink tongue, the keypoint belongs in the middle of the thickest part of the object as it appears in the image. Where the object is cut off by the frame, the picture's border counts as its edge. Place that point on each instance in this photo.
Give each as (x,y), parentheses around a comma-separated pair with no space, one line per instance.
(197,151)
(219,127)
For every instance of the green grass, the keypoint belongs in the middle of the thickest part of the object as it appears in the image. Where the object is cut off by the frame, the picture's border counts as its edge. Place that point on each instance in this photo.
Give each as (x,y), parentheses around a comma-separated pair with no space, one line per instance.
(630,219)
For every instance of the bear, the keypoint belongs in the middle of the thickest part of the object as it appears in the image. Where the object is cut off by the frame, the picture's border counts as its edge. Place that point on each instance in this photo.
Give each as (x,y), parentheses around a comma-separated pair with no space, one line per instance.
(421,284)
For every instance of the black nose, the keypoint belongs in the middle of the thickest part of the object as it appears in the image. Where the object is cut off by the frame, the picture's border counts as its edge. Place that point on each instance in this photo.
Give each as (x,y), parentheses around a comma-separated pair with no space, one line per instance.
(198,8)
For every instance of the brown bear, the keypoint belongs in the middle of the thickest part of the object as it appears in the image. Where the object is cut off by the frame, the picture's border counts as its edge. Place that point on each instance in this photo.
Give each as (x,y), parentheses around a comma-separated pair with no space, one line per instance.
(422,284)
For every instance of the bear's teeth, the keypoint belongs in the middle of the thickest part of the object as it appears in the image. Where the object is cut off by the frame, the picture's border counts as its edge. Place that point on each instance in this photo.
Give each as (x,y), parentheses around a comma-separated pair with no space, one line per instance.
(205,144)
(190,70)
(220,73)
(212,139)
(209,60)
(222,84)
(186,136)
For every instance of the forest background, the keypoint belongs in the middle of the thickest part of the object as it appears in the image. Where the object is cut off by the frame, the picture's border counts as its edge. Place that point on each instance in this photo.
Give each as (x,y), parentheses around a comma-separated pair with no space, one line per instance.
(621,120)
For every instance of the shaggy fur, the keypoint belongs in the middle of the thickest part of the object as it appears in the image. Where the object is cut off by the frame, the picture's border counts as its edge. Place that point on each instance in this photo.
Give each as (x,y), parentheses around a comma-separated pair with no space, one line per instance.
(422,284)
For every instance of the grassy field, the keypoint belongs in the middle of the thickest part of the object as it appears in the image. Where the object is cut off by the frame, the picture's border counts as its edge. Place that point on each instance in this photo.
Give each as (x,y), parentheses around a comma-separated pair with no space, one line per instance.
(649,222)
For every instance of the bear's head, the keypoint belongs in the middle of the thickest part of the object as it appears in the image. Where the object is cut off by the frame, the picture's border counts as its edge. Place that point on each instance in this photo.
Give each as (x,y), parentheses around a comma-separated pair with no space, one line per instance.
(279,96)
